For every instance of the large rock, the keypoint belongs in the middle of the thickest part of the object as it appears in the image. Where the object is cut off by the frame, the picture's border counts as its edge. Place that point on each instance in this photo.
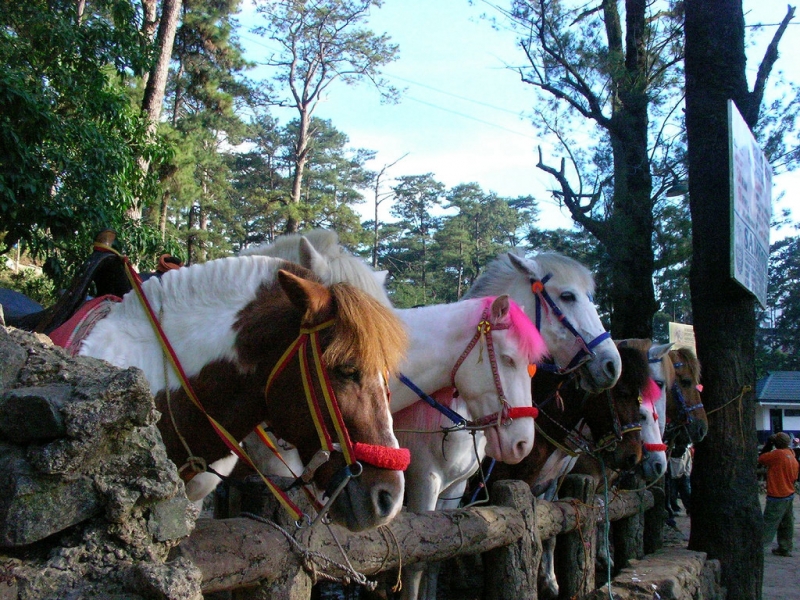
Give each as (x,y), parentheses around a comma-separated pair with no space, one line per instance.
(90,505)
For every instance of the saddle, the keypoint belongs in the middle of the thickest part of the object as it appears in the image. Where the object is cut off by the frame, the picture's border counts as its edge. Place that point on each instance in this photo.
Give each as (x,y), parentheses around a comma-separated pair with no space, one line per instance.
(103,269)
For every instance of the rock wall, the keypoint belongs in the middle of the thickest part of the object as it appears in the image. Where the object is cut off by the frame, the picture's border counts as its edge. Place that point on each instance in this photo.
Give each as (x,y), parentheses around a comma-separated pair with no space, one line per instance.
(90,505)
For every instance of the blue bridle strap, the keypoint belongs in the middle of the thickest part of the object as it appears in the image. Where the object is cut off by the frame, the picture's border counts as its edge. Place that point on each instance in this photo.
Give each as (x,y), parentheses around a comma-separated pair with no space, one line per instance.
(587,350)
(447,412)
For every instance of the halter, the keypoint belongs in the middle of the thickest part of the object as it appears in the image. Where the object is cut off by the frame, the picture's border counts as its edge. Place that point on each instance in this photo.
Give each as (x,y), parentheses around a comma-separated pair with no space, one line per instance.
(546,302)
(506,414)
(380,456)
(685,410)
(610,440)
(307,346)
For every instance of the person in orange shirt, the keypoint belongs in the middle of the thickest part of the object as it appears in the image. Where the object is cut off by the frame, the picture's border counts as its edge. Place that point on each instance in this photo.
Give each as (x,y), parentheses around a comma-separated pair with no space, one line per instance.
(782,471)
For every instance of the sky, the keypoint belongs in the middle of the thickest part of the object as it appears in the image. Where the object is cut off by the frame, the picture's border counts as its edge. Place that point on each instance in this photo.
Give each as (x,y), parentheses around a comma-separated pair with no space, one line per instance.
(462,111)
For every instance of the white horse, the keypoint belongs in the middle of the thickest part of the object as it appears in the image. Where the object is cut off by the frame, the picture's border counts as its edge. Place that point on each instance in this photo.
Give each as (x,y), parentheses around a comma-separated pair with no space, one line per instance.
(554,290)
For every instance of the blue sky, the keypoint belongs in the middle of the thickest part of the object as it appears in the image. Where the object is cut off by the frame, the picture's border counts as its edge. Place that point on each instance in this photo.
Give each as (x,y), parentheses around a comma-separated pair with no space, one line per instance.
(461,116)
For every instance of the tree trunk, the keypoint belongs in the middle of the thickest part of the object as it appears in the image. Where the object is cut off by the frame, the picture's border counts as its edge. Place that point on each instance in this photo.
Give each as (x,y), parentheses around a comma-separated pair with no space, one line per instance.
(630,244)
(300,159)
(726,516)
(157,82)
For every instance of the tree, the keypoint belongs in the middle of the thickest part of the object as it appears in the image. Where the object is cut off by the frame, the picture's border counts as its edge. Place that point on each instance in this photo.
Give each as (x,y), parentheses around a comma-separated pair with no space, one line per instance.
(484,227)
(321,42)
(725,505)
(415,198)
(779,346)
(599,79)
(69,135)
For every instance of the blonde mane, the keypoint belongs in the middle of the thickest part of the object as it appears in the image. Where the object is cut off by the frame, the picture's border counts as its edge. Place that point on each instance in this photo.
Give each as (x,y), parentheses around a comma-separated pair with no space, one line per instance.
(368,328)
(689,360)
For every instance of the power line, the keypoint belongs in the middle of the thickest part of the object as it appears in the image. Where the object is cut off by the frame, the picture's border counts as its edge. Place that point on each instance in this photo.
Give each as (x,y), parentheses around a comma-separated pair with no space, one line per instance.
(446,93)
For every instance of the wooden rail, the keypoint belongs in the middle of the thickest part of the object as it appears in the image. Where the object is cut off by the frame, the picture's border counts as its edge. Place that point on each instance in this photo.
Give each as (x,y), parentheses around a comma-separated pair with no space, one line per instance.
(243,552)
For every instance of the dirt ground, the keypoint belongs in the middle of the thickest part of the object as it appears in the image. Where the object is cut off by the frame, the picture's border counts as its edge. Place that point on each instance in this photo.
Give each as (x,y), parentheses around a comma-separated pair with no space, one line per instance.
(781,574)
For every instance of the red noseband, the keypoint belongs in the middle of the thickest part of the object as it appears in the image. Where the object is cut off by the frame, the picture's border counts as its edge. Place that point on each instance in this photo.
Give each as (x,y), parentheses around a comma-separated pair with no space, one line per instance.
(383,457)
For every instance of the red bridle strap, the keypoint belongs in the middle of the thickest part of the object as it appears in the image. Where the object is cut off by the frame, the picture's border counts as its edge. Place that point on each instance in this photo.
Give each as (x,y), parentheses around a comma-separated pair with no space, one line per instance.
(655,447)
(504,416)
(384,457)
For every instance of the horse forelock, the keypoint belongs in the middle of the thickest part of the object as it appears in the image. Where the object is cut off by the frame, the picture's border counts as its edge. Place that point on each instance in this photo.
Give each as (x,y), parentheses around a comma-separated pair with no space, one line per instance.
(567,271)
(522,331)
(365,330)
(651,393)
(689,360)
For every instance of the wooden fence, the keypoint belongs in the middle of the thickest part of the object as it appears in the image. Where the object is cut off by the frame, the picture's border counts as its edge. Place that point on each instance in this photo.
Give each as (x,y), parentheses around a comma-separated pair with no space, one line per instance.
(265,559)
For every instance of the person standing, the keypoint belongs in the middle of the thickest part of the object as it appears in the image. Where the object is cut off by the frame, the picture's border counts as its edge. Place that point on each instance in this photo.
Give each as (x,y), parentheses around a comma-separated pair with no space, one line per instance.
(782,472)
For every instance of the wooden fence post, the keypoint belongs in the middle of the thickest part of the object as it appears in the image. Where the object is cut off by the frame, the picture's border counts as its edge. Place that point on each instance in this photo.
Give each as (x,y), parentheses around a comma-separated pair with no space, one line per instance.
(510,571)
(655,518)
(575,551)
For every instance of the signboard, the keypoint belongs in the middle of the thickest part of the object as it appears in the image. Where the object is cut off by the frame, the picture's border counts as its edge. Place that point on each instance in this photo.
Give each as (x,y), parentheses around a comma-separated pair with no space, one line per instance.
(682,336)
(751,207)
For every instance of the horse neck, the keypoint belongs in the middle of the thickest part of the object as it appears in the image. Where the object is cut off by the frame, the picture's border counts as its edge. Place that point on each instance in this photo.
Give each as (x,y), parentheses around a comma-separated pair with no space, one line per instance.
(438,335)
(558,417)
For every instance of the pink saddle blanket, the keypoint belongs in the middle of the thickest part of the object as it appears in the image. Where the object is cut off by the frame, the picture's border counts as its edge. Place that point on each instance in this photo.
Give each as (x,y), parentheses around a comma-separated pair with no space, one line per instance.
(71,334)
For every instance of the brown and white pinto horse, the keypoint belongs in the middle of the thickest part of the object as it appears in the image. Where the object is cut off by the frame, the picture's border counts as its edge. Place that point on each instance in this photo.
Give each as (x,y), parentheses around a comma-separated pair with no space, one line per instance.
(230,322)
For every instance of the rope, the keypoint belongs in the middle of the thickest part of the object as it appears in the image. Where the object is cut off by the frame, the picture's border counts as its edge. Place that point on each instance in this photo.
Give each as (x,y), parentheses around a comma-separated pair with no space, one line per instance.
(398,585)
(314,560)
(745,389)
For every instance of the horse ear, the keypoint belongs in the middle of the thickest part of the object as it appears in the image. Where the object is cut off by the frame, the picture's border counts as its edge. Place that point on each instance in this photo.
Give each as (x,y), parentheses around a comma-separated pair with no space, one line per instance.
(312,260)
(500,308)
(521,264)
(658,352)
(381,276)
(308,296)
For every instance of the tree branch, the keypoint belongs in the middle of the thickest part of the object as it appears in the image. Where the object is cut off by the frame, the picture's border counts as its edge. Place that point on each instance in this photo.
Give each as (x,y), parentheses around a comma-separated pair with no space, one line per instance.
(764,69)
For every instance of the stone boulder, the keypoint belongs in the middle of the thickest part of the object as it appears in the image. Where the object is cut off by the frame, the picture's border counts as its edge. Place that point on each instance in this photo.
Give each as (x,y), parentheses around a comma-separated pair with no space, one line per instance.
(90,505)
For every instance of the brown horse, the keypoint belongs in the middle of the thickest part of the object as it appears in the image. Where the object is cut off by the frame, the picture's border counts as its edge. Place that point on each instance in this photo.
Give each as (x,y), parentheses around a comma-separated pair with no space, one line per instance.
(230,322)
(684,404)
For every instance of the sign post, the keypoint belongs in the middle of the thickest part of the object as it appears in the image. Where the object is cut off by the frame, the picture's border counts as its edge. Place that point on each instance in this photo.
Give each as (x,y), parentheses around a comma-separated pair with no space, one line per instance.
(751,207)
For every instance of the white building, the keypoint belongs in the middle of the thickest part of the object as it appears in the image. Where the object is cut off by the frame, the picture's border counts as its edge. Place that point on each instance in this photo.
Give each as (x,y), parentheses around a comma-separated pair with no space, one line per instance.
(778,408)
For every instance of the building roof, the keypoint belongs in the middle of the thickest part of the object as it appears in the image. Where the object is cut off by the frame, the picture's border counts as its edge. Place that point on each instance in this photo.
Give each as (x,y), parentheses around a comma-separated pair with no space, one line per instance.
(779,386)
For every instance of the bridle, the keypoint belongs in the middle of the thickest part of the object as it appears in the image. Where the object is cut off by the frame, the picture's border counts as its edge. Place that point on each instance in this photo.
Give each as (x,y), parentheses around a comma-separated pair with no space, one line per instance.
(506,414)
(684,410)
(312,370)
(545,302)
(619,430)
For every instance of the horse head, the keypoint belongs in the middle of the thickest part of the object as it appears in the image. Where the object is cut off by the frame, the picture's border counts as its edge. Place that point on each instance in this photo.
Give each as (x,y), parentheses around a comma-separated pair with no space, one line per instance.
(684,404)
(556,293)
(359,343)
(495,380)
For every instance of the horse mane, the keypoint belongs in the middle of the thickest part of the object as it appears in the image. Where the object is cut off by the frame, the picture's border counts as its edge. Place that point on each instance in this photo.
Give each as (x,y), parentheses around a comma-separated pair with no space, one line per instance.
(633,352)
(367,327)
(522,330)
(343,265)
(689,360)
(500,273)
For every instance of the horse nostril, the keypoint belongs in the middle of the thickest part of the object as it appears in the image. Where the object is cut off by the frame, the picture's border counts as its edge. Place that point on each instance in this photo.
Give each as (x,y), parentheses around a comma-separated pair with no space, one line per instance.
(522,449)
(631,461)
(384,503)
(611,369)
(658,468)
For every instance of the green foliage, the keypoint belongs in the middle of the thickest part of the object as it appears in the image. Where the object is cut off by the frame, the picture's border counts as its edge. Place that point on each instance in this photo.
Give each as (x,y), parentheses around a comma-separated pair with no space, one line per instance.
(778,347)
(69,136)
(30,283)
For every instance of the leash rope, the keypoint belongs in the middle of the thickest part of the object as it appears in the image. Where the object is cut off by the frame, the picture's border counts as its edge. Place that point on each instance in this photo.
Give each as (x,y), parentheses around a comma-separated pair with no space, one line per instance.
(313,558)
(745,390)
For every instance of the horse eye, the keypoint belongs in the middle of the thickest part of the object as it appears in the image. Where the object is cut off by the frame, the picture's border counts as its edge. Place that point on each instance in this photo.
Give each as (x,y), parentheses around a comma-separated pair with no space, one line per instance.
(687,383)
(509,361)
(659,383)
(567,296)
(348,372)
